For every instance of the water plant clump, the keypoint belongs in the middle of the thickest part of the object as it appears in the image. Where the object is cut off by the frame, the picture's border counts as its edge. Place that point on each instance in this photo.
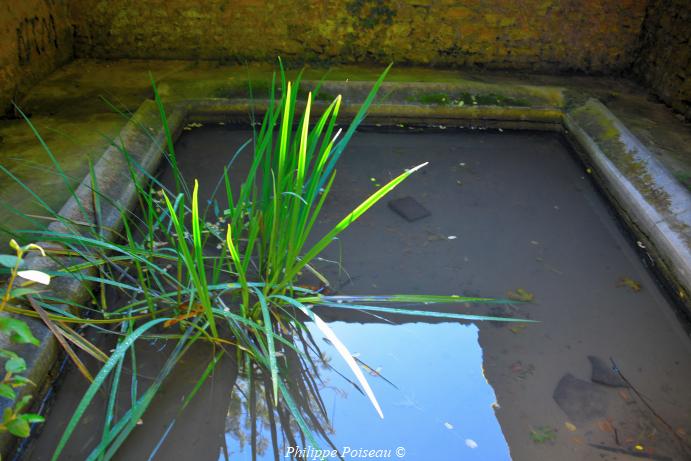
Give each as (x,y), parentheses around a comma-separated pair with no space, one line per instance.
(227,270)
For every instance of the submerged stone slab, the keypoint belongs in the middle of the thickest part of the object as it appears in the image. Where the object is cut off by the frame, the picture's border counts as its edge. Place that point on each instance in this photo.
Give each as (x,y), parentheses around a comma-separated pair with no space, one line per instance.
(409,208)
(604,374)
(581,400)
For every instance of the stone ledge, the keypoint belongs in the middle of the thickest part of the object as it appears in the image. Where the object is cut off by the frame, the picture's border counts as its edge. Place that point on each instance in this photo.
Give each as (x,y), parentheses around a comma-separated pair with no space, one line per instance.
(143,137)
(645,191)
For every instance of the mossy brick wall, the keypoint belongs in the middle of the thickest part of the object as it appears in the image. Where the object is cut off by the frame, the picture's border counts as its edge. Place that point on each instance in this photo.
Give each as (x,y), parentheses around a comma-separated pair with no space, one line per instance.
(35,38)
(540,35)
(664,60)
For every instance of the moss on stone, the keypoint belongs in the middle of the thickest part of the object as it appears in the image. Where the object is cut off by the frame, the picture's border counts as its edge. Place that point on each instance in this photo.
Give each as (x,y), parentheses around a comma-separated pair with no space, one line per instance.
(685,179)
(468,99)
(440,99)
(608,138)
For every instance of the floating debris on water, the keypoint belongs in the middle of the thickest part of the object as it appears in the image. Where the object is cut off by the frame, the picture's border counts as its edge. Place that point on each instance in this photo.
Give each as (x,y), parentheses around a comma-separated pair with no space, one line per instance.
(517,329)
(522,371)
(543,434)
(520,294)
(629,283)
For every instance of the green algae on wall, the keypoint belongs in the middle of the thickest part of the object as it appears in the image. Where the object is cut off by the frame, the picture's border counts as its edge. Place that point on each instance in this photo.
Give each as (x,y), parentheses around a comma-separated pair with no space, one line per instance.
(549,35)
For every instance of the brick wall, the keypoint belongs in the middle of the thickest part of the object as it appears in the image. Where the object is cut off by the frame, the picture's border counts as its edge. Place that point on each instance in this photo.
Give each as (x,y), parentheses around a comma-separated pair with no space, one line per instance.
(596,36)
(35,38)
(664,60)
(543,35)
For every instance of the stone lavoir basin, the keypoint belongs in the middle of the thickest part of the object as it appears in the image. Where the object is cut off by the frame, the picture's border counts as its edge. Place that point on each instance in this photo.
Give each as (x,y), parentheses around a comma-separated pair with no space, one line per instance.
(603,373)
(556,138)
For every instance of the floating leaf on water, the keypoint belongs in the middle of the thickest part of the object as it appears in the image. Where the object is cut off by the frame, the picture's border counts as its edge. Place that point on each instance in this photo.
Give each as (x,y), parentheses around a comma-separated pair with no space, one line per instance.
(449,426)
(520,294)
(432,237)
(522,371)
(630,284)
(517,328)
(605,426)
(570,426)
(470,443)
(543,434)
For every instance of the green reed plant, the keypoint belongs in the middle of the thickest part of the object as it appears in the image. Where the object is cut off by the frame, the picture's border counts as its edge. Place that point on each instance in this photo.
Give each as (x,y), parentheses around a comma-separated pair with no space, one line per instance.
(186,273)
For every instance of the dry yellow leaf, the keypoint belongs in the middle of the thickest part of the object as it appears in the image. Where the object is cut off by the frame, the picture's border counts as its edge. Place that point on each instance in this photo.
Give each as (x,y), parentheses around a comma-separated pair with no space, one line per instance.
(517,329)
(630,284)
(520,295)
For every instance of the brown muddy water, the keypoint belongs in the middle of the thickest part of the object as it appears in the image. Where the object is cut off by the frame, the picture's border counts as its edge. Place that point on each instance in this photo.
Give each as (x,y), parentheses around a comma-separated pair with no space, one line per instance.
(510,214)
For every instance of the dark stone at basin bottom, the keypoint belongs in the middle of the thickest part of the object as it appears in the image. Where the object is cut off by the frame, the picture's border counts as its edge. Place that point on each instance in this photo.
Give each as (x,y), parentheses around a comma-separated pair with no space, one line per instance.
(409,208)
(581,400)
(604,374)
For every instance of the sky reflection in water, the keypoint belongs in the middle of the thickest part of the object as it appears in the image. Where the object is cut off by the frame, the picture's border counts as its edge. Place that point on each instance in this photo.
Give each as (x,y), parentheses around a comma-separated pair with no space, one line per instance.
(438,405)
